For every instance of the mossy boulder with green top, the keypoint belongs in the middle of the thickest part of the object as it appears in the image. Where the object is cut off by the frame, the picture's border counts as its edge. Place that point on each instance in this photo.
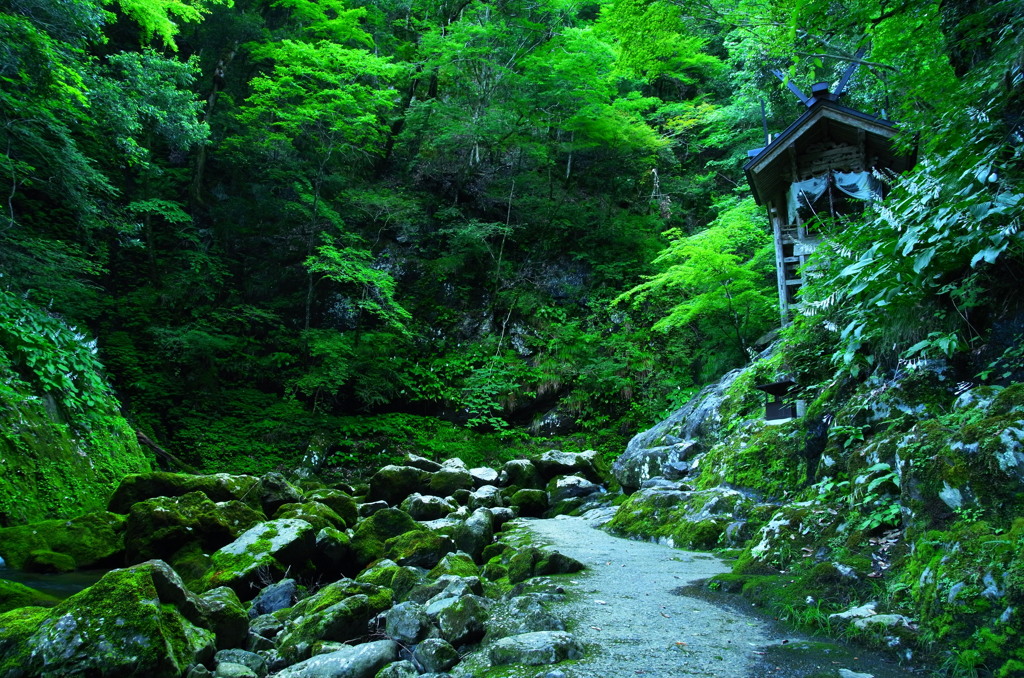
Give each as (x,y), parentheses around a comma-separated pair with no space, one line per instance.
(260,555)
(135,621)
(339,612)
(161,527)
(14,595)
(313,512)
(340,502)
(371,533)
(217,487)
(92,540)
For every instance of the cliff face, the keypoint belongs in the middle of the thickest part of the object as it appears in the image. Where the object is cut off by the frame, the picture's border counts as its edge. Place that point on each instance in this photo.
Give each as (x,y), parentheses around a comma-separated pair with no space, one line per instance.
(892,510)
(63,444)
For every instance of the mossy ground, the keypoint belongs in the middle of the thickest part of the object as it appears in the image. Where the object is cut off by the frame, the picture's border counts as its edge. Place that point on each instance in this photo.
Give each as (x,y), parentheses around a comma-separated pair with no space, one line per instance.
(49,469)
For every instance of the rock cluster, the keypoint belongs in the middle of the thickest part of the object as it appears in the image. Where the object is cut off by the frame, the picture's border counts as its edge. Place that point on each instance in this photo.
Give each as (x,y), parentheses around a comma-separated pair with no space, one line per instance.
(243,576)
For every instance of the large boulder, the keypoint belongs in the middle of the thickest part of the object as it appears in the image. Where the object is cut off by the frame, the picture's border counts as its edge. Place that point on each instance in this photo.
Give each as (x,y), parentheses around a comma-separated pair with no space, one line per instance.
(519,615)
(276,491)
(684,434)
(313,512)
(224,615)
(435,655)
(14,595)
(486,496)
(419,548)
(261,553)
(217,487)
(277,596)
(407,623)
(359,661)
(463,622)
(138,621)
(557,463)
(530,503)
(428,507)
(483,475)
(539,648)
(471,534)
(340,502)
(563,488)
(693,519)
(533,562)
(520,473)
(449,479)
(394,483)
(160,527)
(369,537)
(422,463)
(338,612)
(335,554)
(92,540)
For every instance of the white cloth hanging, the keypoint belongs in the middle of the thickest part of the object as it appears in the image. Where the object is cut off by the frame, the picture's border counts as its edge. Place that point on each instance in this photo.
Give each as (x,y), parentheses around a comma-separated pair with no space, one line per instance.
(860,185)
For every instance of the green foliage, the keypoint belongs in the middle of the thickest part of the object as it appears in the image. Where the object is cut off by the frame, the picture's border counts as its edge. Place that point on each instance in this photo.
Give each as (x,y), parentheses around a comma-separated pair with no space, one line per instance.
(717,280)
(53,359)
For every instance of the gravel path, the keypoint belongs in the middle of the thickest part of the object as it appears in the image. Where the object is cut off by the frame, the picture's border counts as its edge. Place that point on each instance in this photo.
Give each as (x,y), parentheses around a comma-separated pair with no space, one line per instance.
(626,611)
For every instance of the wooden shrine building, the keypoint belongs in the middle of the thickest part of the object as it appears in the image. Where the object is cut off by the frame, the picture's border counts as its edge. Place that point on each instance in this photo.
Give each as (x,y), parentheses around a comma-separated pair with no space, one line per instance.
(825,164)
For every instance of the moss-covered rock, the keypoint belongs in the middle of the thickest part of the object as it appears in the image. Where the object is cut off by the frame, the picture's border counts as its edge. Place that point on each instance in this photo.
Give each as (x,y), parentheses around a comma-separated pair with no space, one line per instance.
(464,622)
(358,661)
(135,621)
(460,564)
(222,613)
(217,487)
(540,648)
(703,519)
(554,463)
(448,480)
(163,526)
(371,533)
(276,491)
(261,554)
(389,574)
(518,615)
(394,483)
(48,562)
(14,595)
(340,502)
(338,612)
(530,503)
(435,655)
(313,512)
(421,548)
(428,507)
(520,473)
(92,540)
(334,553)
(534,562)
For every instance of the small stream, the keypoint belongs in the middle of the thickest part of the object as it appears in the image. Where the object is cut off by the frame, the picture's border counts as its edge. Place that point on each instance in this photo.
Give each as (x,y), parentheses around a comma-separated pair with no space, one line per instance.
(57,585)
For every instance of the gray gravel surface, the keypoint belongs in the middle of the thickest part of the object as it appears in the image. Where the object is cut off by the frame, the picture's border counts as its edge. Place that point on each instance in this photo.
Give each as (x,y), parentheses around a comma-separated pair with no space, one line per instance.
(626,611)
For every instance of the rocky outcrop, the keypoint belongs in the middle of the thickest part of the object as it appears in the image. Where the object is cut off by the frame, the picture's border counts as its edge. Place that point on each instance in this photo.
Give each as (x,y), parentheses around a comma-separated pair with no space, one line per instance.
(669,447)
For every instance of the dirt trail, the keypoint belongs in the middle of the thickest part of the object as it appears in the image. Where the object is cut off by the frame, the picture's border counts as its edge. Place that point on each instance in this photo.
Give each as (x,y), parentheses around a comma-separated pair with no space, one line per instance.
(629,611)
(626,609)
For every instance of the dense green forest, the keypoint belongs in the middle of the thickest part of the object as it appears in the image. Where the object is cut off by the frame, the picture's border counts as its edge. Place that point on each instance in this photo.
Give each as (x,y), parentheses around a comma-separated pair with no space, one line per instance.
(298,226)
